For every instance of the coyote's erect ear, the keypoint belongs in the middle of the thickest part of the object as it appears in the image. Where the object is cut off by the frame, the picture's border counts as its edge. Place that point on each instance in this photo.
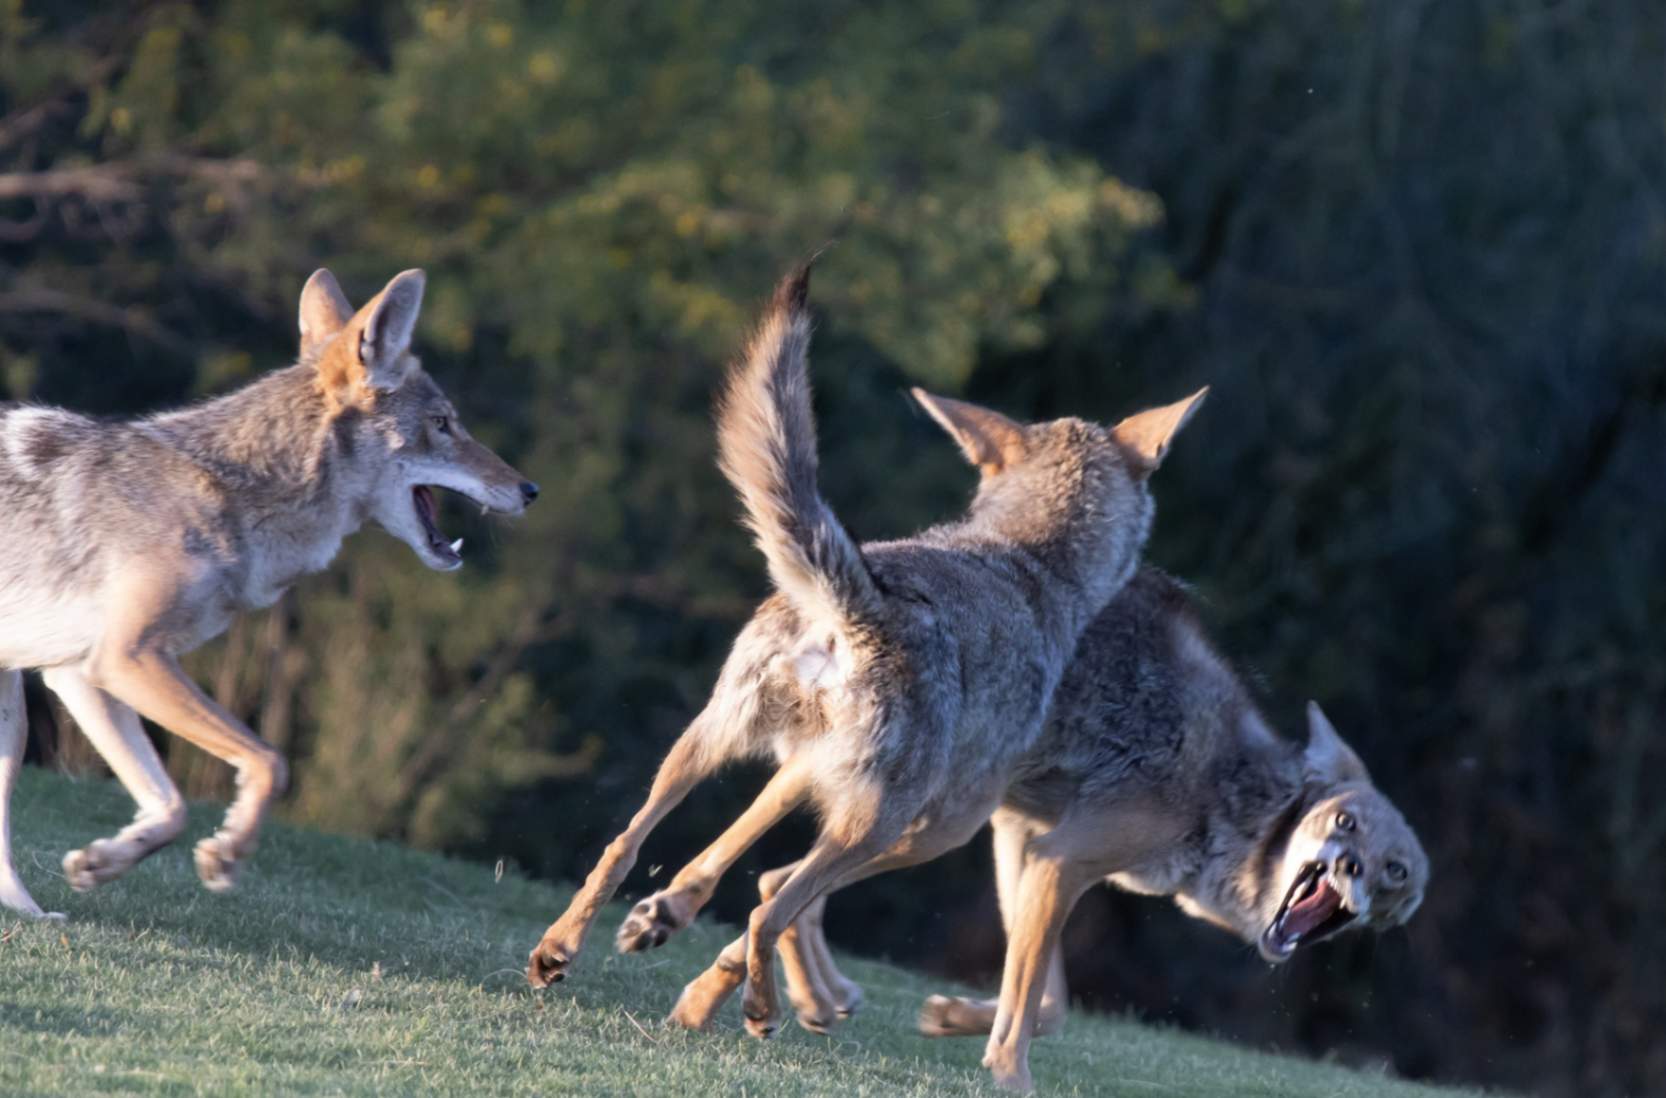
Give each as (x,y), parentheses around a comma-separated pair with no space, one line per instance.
(1147,434)
(371,353)
(325,310)
(1327,758)
(389,322)
(989,440)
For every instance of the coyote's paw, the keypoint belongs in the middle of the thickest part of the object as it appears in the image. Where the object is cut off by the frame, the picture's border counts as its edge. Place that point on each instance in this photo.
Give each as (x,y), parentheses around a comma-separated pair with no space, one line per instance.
(1010,1071)
(813,1004)
(758,1008)
(847,997)
(816,1018)
(651,922)
(99,861)
(691,1012)
(216,864)
(952,1016)
(548,964)
(16,899)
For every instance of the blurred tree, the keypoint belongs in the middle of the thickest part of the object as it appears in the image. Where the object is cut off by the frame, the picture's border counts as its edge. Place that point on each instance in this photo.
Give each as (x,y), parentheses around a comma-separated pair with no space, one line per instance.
(1417,248)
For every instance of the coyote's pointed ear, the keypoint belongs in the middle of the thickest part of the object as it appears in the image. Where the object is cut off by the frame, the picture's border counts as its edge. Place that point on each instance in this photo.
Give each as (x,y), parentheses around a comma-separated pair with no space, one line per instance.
(989,440)
(325,310)
(1147,435)
(1327,758)
(385,326)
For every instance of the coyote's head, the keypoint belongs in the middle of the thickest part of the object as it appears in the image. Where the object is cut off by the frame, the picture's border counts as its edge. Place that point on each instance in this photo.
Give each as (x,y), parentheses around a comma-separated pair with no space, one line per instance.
(1067,480)
(399,435)
(1352,860)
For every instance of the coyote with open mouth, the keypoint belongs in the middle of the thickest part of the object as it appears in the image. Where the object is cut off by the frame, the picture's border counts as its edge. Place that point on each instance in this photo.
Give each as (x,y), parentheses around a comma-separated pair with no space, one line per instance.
(132,543)
(1157,773)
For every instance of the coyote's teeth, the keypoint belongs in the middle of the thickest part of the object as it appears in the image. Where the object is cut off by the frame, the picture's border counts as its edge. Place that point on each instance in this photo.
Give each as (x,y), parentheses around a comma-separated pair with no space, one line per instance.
(457,546)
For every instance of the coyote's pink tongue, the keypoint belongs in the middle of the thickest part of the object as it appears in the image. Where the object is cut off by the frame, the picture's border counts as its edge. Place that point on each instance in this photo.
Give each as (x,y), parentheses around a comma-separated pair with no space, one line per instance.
(1310,912)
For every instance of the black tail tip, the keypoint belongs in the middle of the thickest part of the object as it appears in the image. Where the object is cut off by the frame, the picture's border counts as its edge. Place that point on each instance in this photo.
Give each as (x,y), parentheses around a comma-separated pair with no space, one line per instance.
(793,292)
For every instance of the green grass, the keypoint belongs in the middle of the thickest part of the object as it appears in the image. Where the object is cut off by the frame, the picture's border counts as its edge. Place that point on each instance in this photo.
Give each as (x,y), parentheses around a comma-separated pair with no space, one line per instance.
(348,967)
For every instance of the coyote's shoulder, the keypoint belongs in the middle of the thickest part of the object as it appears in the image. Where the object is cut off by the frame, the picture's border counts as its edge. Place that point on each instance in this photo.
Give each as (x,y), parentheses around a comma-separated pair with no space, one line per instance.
(131,542)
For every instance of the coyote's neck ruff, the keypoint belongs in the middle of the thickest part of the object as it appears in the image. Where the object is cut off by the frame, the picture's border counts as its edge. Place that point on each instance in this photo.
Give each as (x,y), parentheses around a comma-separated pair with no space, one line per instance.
(284,442)
(1282,844)
(133,542)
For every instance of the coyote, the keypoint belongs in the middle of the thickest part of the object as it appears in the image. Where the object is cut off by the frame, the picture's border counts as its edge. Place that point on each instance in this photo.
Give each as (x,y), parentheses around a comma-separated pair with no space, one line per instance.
(1157,773)
(134,542)
(895,684)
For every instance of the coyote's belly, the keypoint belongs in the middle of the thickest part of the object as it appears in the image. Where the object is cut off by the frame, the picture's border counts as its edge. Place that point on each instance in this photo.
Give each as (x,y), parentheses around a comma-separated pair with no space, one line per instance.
(38,631)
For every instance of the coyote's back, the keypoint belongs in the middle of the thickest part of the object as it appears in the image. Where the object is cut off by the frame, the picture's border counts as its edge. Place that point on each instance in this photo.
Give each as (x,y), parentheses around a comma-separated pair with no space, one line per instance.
(130,543)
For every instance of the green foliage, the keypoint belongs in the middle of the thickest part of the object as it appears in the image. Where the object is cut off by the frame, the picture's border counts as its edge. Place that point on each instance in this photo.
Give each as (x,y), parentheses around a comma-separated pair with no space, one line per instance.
(1416,249)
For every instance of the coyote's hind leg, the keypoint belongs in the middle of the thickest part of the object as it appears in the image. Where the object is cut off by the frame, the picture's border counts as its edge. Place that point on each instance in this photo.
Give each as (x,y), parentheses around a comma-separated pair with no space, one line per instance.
(831,858)
(114,729)
(818,991)
(14,728)
(706,993)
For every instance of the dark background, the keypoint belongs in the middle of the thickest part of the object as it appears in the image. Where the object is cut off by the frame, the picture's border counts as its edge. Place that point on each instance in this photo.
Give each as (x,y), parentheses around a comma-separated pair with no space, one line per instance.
(1417,248)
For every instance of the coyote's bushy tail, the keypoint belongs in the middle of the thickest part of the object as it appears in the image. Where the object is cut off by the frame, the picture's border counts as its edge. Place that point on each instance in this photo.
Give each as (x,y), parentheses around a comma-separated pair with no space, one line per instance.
(766,437)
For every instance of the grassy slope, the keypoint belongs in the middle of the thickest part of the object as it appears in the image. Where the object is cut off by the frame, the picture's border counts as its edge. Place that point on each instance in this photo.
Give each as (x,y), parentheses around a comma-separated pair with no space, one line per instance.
(341,966)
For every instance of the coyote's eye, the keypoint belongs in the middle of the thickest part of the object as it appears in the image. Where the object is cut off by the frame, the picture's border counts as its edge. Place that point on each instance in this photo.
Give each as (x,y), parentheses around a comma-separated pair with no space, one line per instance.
(1396,872)
(442,424)
(1345,821)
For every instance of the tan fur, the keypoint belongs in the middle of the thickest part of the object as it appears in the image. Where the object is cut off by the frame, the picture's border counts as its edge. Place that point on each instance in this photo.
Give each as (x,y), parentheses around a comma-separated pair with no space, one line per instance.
(134,543)
(990,441)
(895,684)
(1157,774)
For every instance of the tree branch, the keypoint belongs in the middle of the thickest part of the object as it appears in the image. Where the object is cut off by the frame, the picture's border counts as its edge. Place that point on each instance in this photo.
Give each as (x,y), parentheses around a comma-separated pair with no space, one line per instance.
(96,312)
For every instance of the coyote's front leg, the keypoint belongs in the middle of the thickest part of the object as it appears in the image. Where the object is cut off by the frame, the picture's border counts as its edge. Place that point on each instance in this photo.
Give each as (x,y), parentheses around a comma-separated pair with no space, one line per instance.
(135,666)
(114,729)
(1048,887)
(819,992)
(829,861)
(958,1016)
(153,683)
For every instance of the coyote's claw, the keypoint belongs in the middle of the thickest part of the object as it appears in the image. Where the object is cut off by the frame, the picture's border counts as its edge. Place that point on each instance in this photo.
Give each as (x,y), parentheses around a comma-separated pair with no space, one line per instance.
(547,965)
(758,1009)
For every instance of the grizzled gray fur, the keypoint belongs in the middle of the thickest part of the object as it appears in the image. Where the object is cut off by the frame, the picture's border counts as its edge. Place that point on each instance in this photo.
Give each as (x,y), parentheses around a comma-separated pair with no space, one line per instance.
(134,542)
(895,684)
(1157,773)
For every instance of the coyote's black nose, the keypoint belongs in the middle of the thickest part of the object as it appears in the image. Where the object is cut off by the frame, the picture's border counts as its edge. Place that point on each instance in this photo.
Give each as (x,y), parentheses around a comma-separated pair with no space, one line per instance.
(529,491)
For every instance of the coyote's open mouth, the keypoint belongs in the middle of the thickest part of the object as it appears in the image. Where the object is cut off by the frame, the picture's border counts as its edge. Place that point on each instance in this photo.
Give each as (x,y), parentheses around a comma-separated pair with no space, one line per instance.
(428,513)
(1312,911)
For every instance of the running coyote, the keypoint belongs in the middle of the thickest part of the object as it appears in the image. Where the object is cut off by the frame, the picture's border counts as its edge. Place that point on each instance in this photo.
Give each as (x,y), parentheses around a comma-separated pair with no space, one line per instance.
(134,542)
(1157,773)
(896,684)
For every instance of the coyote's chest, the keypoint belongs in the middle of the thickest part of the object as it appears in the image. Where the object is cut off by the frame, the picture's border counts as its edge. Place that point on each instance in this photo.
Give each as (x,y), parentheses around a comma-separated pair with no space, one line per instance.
(282,549)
